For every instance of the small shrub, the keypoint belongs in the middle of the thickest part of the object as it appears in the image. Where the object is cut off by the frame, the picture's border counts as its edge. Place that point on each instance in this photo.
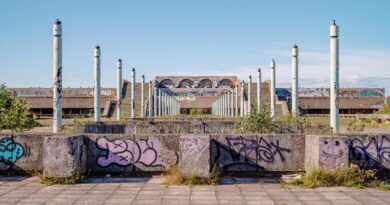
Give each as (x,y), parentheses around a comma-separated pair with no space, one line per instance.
(356,125)
(196,111)
(174,177)
(122,121)
(351,176)
(257,121)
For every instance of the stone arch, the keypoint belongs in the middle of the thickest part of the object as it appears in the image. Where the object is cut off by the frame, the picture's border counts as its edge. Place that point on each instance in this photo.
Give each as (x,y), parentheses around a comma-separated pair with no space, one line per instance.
(166,83)
(225,83)
(186,83)
(205,83)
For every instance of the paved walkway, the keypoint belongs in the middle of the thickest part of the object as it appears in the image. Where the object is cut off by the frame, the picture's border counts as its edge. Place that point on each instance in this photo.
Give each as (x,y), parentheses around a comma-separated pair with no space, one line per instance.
(22,190)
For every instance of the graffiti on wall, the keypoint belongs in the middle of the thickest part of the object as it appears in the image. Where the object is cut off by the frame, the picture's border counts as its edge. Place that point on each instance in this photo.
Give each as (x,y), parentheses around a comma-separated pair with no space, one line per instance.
(332,153)
(373,151)
(10,151)
(193,149)
(146,152)
(66,92)
(325,92)
(244,153)
(189,92)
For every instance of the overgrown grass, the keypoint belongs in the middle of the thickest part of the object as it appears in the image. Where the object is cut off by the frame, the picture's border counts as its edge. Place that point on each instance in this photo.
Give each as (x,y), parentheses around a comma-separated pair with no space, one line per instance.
(174,177)
(76,179)
(196,111)
(351,176)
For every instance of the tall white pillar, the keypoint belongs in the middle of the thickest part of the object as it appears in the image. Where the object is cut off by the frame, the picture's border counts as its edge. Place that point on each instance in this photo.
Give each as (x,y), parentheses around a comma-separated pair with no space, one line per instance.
(160,103)
(259,89)
(142,96)
(242,109)
(133,94)
(273,85)
(57,76)
(334,78)
(249,95)
(150,99)
(294,92)
(236,99)
(119,90)
(228,104)
(231,107)
(97,83)
(155,99)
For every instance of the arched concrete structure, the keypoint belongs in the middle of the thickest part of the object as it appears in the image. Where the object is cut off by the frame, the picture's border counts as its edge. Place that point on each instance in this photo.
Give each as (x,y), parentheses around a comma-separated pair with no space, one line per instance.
(205,83)
(166,83)
(186,83)
(225,83)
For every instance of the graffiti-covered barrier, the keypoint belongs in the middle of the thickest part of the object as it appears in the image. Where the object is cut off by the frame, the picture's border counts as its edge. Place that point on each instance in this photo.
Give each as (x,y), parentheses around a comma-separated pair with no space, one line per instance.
(129,153)
(280,152)
(199,153)
(371,151)
(21,152)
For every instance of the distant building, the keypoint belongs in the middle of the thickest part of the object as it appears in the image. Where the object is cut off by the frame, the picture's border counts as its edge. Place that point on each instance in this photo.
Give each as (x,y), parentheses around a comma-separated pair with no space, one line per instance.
(200,92)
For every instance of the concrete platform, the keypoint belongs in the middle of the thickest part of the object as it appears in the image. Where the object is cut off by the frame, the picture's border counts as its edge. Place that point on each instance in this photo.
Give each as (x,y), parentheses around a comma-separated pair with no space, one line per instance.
(151,190)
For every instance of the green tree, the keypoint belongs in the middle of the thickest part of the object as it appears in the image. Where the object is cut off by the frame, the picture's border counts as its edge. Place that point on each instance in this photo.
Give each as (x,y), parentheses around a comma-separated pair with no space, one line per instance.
(14,112)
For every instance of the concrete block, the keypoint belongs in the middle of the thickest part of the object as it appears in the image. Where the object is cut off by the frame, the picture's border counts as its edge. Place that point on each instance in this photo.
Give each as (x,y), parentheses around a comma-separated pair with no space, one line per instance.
(244,153)
(23,153)
(129,153)
(326,152)
(64,156)
(194,157)
(370,151)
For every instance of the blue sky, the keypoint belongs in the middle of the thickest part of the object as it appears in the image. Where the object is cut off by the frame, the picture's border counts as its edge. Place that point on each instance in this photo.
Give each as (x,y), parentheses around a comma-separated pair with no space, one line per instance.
(195,38)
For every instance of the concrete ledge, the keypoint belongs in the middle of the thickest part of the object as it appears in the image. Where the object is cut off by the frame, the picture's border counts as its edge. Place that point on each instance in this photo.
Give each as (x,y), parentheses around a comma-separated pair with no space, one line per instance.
(64,156)
(194,154)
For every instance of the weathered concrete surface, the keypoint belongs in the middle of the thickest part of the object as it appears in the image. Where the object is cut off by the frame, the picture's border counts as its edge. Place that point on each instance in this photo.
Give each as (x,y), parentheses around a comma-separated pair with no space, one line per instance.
(370,151)
(281,152)
(64,156)
(124,153)
(194,154)
(21,152)
(160,126)
(326,152)
(129,153)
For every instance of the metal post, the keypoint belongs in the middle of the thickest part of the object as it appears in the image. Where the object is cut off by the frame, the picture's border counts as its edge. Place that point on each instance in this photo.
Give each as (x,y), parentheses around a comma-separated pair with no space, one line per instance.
(97,83)
(272,96)
(142,96)
(119,90)
(294,93)
(150,100)
(259,89)
(57,76)
(334,78)
(242,99)
(133,93)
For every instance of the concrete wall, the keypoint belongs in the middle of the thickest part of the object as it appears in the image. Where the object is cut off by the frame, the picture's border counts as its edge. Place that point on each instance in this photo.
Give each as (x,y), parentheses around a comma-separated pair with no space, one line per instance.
(124,153)
(258,152)
(21,152)
(161,127)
